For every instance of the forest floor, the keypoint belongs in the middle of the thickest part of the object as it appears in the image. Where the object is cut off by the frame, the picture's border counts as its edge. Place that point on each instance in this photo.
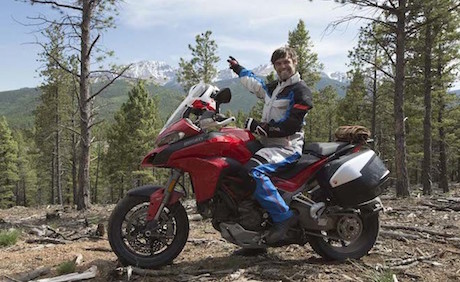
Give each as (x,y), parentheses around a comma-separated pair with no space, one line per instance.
(419,241)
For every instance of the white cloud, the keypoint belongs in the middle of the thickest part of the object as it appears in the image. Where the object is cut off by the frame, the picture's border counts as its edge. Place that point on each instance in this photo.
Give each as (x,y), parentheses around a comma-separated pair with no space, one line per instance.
(253,14)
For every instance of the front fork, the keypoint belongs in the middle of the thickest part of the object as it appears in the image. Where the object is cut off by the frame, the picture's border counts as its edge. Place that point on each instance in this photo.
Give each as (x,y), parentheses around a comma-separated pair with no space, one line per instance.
(163,197)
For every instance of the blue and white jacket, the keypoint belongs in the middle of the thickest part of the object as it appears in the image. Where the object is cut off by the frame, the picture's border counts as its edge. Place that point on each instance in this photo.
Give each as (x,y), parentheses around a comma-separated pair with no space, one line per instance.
(286,105)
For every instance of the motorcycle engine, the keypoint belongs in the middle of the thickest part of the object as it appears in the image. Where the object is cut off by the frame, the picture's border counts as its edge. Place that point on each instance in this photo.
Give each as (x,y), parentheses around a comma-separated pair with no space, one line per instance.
(250,216)
(247,213)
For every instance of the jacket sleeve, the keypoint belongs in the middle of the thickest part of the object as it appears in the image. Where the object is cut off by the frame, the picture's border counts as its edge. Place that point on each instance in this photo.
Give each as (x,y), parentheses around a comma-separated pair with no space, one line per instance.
(293,121)
(254,84)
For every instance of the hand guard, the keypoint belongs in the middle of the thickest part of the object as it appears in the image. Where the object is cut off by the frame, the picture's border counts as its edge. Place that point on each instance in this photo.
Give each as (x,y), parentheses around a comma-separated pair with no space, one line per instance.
(256,127)
(234,65)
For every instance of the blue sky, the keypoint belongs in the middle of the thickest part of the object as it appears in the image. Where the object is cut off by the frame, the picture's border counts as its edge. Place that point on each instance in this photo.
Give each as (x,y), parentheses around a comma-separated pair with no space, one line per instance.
(162,29)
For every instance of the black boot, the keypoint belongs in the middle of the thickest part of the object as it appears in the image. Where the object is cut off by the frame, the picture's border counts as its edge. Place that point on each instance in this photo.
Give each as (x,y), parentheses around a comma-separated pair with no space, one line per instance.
(279,230)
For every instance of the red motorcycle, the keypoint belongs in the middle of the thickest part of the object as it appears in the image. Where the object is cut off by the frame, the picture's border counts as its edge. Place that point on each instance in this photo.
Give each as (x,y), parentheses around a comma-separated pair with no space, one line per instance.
(334,187)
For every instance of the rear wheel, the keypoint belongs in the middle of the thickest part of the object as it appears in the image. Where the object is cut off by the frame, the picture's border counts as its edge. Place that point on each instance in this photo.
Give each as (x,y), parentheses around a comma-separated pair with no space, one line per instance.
(134,246)
(353,238)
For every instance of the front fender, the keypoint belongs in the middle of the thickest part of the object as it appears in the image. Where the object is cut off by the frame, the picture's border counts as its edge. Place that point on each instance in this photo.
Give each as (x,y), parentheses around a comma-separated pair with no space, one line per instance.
(155,194)
(144,191)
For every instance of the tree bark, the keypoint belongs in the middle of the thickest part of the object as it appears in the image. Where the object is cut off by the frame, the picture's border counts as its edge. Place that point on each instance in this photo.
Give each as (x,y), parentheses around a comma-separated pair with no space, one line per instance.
(58,151)
(74,156)
(53,177)
(443,181)
(426,166)
(97,171)
(402,180)
(374,100)
(85,110)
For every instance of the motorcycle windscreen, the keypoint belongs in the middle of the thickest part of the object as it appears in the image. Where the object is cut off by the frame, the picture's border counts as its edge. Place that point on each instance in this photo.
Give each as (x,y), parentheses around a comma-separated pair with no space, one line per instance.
(200,91)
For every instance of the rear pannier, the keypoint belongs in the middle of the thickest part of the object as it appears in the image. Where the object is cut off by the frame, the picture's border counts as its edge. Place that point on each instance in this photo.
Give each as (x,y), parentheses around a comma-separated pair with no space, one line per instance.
(355,178)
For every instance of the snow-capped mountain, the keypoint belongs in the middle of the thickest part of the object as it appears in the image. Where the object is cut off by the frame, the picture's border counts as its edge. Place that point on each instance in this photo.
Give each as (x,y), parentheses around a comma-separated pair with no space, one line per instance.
(263,70)
(160,72)
(225,74)
(339,76)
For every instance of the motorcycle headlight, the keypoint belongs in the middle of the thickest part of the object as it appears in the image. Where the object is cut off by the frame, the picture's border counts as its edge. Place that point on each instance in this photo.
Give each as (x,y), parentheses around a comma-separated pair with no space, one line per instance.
(172,137)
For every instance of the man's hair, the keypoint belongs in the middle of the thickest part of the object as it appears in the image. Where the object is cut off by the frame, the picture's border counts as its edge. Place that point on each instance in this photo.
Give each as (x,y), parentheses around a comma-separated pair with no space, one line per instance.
(284,52)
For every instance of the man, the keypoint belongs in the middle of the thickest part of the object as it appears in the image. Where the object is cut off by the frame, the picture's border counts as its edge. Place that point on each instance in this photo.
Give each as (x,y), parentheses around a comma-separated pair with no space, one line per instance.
(287,101)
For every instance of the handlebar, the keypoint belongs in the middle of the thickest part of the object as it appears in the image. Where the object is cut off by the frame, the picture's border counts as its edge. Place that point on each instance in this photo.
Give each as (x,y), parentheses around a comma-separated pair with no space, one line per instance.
(226,121)
(211,122)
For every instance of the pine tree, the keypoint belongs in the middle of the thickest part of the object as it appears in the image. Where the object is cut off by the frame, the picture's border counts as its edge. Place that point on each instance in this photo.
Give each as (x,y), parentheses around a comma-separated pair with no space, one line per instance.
(26,187)
(136,125)
(8,165)
(307,61)
(321,121)
(353,107)
(52,115)
(84,21)
(201,68)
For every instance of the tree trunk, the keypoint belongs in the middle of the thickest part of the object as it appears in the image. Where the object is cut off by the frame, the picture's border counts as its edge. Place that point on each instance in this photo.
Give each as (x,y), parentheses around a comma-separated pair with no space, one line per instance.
(97,172)
(443,181)
(374,101)
(53,177)
(58,151)
(74,155)
(402,180)
(85,110)
(426,166)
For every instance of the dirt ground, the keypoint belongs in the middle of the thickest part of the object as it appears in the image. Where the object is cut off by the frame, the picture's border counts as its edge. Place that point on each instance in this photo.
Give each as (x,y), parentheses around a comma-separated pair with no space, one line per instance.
(419,241)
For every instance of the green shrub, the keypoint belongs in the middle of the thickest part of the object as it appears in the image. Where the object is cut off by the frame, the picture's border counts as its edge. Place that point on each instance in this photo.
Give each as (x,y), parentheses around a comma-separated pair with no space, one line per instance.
(66,267)
(8,238)
(382,276)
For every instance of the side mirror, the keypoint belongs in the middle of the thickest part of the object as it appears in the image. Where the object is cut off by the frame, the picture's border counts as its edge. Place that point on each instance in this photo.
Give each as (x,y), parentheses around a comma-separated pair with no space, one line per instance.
(223,96)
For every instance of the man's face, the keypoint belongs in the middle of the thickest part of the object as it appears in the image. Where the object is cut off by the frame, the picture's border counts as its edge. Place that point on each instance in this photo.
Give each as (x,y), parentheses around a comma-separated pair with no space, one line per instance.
(285,67)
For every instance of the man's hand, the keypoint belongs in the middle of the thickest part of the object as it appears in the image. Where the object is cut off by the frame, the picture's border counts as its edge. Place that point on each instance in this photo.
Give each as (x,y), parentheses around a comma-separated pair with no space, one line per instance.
(256,127)
(234,65)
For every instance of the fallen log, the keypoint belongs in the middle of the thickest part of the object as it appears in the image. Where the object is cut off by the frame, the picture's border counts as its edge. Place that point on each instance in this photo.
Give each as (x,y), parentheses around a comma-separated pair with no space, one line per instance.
(47,241)
(88,274)
(27,276)
(418,229)
(398,235)
(411,260)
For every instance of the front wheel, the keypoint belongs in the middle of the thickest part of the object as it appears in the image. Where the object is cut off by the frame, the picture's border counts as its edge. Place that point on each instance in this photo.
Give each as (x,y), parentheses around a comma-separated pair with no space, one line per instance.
(353,238)
(134,246)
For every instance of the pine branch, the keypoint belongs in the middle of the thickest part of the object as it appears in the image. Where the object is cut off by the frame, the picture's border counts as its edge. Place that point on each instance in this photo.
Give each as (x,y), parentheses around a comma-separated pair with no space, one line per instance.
(94,43)
(56,4)
(109,83)
(377,67)
(64,68)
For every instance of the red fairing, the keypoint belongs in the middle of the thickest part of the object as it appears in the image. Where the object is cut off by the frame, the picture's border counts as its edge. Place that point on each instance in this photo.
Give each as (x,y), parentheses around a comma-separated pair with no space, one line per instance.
(155,202)
(231,145)
(204,173)
(182,126)
(198,104)
(294,183)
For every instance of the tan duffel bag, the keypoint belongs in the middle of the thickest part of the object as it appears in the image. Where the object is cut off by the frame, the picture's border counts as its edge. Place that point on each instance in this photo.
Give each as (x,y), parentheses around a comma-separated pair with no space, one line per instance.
(352,134)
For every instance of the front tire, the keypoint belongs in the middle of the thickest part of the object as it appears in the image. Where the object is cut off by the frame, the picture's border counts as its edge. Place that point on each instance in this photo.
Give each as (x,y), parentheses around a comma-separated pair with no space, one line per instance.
(340,250)
(126,232)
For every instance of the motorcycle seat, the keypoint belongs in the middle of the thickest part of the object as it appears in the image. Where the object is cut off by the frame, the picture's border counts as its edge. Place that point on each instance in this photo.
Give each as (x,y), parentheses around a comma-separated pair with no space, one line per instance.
(292,170)
(323,148)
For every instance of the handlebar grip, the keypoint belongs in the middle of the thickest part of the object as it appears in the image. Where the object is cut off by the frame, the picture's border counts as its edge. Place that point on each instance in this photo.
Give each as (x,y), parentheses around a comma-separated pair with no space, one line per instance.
(226,121)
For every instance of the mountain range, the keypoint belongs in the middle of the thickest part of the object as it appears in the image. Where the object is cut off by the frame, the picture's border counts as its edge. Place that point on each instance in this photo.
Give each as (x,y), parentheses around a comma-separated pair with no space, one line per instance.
(18,105)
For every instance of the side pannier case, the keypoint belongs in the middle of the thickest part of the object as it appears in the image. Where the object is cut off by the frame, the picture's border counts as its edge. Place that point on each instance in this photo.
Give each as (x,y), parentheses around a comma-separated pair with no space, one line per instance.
(355,178)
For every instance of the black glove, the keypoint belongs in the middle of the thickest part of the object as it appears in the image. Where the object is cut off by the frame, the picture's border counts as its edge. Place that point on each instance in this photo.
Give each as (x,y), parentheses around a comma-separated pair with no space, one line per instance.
(256,127)
(234,65)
